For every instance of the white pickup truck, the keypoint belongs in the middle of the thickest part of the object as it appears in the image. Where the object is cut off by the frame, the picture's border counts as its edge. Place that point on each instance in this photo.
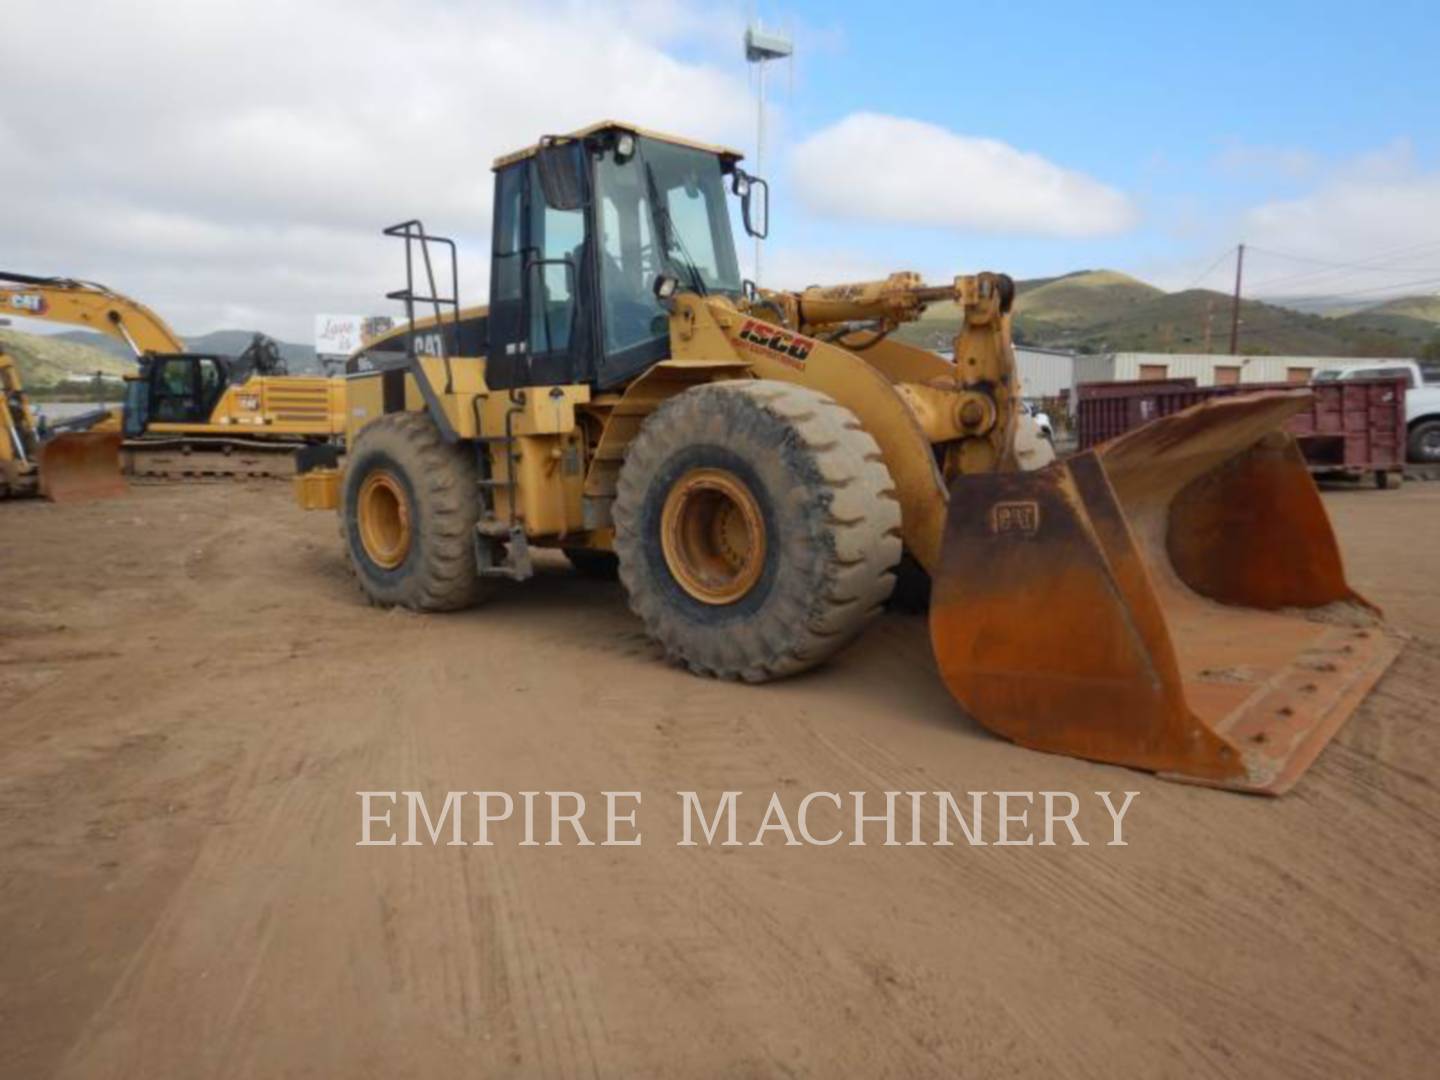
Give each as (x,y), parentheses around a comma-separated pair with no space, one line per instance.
(1422,403)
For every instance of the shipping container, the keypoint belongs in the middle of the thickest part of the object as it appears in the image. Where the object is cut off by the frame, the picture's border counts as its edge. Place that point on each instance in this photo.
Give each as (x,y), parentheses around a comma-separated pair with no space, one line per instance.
(1355,426)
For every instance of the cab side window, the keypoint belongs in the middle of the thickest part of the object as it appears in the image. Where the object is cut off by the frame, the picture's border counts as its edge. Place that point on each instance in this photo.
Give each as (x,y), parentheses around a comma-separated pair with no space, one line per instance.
(173,384)
(558,237)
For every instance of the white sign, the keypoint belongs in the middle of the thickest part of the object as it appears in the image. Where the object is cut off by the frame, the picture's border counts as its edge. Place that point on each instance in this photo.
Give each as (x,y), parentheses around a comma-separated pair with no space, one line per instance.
(338,335)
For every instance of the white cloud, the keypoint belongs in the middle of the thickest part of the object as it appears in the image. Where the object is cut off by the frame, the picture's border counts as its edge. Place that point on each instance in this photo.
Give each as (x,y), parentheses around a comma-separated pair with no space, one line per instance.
(798,267)
(889,169)
(219,160)
(1371,227)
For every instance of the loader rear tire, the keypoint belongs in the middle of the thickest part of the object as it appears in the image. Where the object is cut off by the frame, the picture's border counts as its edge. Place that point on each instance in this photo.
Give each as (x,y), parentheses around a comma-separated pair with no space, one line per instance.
(408,508)
(757,528)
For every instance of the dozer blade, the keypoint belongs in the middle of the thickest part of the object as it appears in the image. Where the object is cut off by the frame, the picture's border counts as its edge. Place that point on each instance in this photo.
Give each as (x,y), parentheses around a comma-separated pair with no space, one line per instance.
(1172,600)
(81,466)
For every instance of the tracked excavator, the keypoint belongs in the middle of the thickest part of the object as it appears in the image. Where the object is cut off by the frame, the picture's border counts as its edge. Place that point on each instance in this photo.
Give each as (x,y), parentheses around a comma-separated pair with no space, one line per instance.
(758,465)
(188,413)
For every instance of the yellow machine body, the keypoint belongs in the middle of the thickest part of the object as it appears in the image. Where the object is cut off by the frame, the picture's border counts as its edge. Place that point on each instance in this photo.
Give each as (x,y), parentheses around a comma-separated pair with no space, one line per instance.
(260,408)
(1172,601)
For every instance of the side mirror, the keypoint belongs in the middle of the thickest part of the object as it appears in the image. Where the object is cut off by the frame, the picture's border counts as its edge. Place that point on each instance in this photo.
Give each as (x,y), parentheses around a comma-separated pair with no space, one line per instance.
(562,172)
(755,213)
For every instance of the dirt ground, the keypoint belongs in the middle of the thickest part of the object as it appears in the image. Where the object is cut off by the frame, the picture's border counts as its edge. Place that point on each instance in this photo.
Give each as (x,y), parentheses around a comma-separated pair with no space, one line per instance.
(191,694)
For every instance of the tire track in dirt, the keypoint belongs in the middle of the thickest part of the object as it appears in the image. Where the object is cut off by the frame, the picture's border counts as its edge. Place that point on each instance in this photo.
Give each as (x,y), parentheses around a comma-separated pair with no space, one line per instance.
(247,935)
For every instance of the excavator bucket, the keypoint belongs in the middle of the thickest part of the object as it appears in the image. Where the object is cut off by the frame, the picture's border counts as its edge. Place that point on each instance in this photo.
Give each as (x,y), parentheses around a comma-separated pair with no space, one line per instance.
(1172,600)
(76,467)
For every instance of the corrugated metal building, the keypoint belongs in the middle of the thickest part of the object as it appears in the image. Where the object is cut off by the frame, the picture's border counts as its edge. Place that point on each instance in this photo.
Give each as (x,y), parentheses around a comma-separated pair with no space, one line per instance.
(1045,373)
(1207,369)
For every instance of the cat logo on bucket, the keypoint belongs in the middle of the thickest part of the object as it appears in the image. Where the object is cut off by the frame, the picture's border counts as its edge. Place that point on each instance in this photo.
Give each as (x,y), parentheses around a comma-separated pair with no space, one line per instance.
(789,348)
(1015,517)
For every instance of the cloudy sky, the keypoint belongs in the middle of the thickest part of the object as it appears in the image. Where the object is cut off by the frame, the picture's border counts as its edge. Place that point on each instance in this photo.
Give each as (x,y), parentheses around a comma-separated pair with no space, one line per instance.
(232,164)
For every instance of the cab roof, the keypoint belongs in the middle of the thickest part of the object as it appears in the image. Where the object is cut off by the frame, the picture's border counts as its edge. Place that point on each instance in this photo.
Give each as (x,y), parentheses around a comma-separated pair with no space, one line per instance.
(618,126)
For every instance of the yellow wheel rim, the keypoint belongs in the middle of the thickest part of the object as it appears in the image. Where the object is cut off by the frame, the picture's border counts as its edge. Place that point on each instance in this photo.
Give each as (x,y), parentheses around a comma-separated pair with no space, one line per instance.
(384,518)
(713,536)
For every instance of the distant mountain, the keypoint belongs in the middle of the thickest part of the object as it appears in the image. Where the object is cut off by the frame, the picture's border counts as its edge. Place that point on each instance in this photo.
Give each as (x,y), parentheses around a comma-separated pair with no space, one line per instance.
(300,358)
(1098,310)
(1425,308)
(50,359)
(91,340)
(1070,304)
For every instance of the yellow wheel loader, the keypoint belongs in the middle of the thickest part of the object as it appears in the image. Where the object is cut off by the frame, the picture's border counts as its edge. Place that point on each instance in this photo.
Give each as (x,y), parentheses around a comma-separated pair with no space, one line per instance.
(187,412)
(59,466)
(760,465)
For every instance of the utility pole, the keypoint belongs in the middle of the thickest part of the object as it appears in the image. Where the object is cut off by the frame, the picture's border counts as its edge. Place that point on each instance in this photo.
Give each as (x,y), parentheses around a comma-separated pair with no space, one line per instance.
(1209,321)
(762,46)
(1235,305)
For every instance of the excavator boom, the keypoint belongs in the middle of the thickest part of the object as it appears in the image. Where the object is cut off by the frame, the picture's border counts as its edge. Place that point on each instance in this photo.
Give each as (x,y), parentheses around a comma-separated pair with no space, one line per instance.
(83,303)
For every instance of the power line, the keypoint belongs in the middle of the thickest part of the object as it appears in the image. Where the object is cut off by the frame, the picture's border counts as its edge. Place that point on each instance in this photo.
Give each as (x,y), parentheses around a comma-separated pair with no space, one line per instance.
(1365,292)
(1372,264)
(1210,269)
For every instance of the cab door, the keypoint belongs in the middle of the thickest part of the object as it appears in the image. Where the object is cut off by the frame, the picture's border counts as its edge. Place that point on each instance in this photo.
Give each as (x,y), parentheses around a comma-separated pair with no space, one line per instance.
(539,284)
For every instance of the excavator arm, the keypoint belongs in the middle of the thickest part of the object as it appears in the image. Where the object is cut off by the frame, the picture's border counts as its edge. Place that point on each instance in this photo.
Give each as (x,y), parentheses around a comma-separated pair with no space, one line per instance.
(95,307)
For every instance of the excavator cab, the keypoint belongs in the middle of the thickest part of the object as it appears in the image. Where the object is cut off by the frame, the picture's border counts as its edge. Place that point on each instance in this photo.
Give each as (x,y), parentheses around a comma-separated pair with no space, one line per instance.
(177,388)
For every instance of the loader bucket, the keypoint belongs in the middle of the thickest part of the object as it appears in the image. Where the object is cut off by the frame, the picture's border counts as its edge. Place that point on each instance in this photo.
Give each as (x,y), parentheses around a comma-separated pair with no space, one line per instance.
(1172,600)
(79,466)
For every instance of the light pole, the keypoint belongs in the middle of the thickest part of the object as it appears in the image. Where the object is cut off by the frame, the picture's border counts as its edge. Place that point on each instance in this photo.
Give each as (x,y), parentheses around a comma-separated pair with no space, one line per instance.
(762,46)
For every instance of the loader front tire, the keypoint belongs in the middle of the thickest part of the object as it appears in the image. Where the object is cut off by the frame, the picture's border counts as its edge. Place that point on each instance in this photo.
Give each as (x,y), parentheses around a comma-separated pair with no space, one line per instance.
(407,514)
(757,528)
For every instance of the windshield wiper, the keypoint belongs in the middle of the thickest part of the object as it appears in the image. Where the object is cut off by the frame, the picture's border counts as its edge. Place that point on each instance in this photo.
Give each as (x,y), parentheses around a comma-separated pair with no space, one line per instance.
(670,239)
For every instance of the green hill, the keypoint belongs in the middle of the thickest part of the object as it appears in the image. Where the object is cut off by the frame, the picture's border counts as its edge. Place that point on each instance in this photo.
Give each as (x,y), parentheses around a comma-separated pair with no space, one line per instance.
(1100,310)
(1075,301)
(1049,308)
(1424,308)
(47,360)
(299,358)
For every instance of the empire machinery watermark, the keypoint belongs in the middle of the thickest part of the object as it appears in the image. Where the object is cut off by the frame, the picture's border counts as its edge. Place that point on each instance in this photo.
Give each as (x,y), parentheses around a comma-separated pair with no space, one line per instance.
(738,819)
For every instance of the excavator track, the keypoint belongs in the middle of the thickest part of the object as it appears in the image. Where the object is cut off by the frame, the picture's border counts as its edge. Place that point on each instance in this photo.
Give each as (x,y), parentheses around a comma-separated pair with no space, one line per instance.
(207,460)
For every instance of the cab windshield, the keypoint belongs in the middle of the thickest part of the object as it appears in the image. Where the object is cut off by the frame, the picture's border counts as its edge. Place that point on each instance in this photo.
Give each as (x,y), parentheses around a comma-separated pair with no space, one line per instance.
(660,211)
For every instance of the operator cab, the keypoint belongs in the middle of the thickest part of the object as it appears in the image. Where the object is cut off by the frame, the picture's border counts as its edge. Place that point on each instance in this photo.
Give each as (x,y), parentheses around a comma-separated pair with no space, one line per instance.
(173,388)
(590,230)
